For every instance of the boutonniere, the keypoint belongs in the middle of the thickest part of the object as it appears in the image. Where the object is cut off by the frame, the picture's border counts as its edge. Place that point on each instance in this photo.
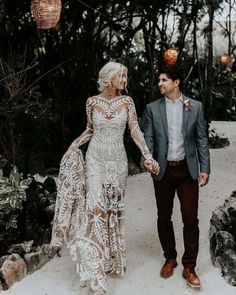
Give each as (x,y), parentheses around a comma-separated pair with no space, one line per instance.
(186,104)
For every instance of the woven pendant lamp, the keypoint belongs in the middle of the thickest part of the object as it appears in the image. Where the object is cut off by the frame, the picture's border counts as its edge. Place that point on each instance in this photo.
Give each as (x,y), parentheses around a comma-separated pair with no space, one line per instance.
(46,13)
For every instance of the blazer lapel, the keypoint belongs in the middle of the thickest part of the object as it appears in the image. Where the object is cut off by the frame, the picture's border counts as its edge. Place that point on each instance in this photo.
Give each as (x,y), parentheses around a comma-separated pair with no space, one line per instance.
(185,118)
(162,107)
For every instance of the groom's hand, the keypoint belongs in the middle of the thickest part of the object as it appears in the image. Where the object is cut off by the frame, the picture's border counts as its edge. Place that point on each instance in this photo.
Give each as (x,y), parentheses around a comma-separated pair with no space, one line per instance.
(152,166)
(155,167)
(203,179)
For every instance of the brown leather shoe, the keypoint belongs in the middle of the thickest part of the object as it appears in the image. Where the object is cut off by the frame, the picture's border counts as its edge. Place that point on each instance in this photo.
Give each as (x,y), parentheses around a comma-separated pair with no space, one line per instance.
(191,278)
(167,269)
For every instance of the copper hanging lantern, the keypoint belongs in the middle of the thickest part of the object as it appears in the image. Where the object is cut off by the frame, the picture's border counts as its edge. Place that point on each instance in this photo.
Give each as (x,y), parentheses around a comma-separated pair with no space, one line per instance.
(46,13)
(171,55)
(225,59)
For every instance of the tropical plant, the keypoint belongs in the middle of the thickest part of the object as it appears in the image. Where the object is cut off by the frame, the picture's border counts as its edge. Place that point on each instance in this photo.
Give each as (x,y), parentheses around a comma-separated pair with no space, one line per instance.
(12,195)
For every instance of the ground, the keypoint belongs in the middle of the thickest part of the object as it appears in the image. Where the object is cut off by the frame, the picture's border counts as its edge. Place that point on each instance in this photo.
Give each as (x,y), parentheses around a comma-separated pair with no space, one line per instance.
(144,254)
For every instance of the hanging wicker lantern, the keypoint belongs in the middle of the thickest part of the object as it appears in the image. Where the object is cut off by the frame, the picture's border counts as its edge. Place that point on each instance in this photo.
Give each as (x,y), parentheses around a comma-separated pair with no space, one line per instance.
(170,56)
(46,13)
(225,59)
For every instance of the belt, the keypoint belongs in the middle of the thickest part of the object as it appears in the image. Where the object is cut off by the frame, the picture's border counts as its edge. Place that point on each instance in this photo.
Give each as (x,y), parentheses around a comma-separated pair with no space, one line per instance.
(176,163)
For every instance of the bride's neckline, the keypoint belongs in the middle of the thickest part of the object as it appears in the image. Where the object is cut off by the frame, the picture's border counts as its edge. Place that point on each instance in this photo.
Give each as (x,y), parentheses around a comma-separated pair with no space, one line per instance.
(109,100)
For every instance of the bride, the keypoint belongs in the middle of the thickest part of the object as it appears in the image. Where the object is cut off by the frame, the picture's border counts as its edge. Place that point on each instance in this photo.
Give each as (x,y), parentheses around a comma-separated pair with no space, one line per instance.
(90,207)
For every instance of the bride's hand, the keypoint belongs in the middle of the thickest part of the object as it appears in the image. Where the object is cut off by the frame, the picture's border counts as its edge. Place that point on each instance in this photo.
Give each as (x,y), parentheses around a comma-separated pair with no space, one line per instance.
(148,164)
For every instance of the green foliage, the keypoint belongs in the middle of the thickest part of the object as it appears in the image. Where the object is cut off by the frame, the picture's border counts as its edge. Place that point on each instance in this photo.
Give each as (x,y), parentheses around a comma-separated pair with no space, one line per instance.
(12,195)
(38,216)
(23,209)
(25,116)
(224,97)
(41,195)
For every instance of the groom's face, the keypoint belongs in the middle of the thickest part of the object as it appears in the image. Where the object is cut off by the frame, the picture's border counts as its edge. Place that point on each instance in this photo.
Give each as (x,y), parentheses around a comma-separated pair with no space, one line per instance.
(167,85)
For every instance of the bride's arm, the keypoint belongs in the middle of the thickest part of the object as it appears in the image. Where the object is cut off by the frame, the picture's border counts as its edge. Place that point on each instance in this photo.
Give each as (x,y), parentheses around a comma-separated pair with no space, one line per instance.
(88,132)
(135,131)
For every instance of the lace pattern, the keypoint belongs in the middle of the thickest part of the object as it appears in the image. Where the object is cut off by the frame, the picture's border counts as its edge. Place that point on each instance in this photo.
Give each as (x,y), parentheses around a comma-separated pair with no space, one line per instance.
(96,235)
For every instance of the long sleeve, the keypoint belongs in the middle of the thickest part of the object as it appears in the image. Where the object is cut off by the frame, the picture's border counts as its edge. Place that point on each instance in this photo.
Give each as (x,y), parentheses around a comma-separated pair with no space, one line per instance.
(135,131)
(202,143)
(69,210)
(88,132)
(148,130)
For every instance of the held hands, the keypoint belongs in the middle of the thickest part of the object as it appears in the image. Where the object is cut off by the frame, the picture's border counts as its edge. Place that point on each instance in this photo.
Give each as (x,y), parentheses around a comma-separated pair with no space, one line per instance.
(203,179)
(152,166)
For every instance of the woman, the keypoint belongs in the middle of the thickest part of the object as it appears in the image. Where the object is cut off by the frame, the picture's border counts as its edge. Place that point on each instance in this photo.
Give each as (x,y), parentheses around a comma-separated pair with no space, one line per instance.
(94,226)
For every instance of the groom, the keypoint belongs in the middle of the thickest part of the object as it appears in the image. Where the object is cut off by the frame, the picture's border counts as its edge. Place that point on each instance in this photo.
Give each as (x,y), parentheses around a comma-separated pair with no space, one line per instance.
(175,132)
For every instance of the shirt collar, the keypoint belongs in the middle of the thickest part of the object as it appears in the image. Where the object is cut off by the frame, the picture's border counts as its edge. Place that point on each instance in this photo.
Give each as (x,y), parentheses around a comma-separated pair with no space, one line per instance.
(167,100)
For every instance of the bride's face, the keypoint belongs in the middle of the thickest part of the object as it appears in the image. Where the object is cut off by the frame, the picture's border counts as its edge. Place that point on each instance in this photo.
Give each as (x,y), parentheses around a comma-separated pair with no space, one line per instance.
(119,80)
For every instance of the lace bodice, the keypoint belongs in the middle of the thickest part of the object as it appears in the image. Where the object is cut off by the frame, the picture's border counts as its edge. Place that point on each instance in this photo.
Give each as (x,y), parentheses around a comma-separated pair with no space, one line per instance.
(106,122)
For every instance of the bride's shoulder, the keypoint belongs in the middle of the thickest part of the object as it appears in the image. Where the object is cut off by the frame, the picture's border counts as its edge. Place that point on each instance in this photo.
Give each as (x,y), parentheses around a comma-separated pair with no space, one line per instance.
(127,99)
(91,100)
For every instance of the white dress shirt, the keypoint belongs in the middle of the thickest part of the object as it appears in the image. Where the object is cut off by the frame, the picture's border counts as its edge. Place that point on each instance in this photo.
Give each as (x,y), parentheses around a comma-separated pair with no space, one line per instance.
(174,113)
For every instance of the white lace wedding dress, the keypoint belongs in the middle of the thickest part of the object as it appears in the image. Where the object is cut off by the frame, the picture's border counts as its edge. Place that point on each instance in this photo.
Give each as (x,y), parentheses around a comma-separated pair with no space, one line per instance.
(96,222)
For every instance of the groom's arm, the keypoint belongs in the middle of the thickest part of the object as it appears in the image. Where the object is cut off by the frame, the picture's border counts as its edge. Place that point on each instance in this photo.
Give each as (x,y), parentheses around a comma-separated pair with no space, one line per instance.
(202,143)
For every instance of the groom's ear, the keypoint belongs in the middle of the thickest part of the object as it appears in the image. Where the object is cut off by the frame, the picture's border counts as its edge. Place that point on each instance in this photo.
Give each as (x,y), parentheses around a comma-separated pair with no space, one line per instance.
(177,82)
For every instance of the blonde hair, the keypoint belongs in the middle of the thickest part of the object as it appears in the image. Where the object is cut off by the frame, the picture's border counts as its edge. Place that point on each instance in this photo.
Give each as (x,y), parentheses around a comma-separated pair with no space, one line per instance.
(108,72)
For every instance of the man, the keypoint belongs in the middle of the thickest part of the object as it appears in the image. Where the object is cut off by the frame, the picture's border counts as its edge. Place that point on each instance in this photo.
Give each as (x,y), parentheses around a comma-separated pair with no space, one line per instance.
(174,129)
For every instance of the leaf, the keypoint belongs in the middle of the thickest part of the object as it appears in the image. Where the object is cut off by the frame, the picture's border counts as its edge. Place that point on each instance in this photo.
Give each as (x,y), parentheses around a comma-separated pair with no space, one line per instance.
(13,202)
(20,194)
(12,222)
(4,179)
(46,193)
(6,190)
(14,178)
(26,182)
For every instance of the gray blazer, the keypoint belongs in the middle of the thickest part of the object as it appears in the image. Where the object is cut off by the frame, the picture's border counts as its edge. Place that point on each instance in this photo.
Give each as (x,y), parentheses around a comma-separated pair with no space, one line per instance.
(194,132)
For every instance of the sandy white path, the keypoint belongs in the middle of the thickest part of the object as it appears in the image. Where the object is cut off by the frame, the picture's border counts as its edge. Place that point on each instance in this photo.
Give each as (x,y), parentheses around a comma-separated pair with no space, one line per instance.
(144,255)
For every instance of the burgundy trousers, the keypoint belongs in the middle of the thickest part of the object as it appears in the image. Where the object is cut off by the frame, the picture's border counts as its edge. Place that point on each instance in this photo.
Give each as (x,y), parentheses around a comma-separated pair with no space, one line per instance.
(178,180)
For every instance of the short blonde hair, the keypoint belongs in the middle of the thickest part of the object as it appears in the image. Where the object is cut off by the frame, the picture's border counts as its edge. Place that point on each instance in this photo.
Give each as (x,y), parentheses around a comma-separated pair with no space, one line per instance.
(108,72)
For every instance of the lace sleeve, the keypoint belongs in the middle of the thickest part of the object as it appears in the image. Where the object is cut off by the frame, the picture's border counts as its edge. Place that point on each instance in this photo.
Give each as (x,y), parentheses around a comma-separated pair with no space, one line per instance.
(135,130)
(88,132)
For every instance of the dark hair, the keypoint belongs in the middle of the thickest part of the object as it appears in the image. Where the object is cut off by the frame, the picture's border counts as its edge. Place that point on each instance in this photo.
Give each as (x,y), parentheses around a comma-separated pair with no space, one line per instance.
(173,72)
